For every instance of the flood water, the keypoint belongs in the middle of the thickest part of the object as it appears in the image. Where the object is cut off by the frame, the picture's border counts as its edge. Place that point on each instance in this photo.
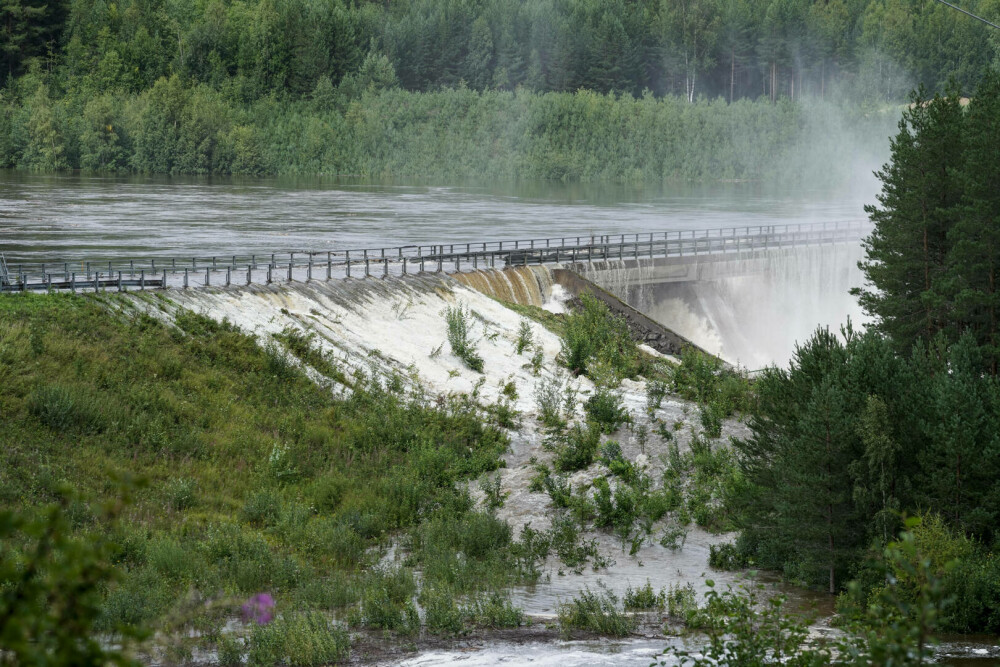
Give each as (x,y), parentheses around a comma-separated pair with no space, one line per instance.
(55,218)
(66,217)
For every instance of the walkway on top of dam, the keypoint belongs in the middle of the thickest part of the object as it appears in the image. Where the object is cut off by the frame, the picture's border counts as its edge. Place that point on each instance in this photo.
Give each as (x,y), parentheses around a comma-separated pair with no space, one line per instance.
(707,245)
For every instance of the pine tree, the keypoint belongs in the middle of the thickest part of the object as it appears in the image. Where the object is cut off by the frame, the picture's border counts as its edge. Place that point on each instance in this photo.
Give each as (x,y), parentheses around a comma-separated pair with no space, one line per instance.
(798,461)
(906,253)
(974,259)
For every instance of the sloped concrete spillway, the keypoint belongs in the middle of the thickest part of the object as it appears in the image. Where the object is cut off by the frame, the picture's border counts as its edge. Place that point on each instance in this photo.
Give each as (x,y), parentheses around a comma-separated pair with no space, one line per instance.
(750,309)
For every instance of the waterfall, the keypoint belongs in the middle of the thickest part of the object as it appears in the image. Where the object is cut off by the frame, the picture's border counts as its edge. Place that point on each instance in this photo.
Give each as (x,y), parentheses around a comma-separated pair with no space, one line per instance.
(527,286)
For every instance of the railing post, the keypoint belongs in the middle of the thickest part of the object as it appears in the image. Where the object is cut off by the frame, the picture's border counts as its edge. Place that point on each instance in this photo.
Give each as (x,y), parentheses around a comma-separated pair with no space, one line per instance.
(208,276)
(119,281)
(385,267)
(142,279)
(347,261)
(329,266)
(163,281)
(366,264)
(289,270)
(404,266)
(249,274)
(185,278)
(72,283)
(229,276)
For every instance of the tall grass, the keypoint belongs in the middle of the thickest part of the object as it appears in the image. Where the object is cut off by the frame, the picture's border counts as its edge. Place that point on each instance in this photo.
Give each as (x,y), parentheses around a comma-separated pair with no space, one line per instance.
(258,479)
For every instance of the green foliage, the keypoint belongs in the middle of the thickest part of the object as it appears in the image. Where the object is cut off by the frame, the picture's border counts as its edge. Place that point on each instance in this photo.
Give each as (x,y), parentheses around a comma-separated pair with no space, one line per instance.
(259,479)
(576,447)
(595,612)
(524,337)
(719,390)
(307,639)
(644,598)
(605,410)
(441,614)
(495,496)
(51,585)
(596,340)
(743,627)
(494,611)
(549,400)
(301,345)
(462,346)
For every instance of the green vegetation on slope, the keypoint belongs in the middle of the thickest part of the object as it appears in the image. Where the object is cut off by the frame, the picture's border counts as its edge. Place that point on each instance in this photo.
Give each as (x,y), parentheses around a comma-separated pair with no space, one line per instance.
(258,480)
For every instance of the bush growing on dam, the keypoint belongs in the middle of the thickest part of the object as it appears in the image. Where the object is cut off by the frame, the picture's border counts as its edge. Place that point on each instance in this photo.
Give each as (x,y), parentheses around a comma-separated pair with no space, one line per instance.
(459,324)
(596,343)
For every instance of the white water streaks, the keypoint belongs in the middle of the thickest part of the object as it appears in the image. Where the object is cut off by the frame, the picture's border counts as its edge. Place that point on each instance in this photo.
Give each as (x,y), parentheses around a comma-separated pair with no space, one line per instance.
(397,325)
(750,310)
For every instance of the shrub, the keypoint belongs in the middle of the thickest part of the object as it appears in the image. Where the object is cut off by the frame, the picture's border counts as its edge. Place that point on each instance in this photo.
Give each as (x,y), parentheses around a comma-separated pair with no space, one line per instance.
(681,602)
(306,639)
(495,496)
(459,337)
(644,598)
(230,651)
(261,509)
(494,611)
(548,398)
(593,334)
(578,447)
(595,612)
(441,614)
(524,337)
(181,493)
(655,392)
(605,409)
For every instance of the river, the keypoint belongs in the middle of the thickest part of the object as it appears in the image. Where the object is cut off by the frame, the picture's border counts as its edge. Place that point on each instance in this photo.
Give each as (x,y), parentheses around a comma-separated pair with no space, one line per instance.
(67,217)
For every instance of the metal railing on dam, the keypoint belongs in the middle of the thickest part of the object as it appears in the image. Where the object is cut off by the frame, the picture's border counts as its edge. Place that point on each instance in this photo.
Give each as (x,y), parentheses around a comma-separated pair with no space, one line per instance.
(400,260)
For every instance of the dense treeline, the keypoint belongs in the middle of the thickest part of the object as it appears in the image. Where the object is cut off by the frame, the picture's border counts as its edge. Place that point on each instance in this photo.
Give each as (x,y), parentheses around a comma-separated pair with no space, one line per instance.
(903,419)
(448,134)
(727,48)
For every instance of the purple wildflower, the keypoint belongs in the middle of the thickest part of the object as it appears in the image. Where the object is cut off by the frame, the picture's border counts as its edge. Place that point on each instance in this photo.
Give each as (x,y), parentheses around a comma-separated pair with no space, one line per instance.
(259,609)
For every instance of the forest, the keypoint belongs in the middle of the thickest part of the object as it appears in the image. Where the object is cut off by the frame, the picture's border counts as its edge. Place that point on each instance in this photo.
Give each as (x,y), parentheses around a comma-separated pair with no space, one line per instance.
(296,86)
(865,429)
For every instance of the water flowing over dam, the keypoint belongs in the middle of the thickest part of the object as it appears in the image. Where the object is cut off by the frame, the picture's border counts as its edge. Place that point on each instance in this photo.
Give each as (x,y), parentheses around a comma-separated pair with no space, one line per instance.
(749,309)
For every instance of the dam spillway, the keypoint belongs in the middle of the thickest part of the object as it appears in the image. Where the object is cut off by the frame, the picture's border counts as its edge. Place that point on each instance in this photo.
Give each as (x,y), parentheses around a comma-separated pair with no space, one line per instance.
(749,308)
(745,294)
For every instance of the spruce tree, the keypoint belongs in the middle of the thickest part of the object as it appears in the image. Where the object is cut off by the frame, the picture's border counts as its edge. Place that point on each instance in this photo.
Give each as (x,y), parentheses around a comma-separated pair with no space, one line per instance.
(798,503)
(906,253)
(974,258)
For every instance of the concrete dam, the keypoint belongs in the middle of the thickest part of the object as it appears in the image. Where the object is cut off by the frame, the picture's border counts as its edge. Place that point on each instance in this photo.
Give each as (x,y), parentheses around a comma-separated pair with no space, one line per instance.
(744,294)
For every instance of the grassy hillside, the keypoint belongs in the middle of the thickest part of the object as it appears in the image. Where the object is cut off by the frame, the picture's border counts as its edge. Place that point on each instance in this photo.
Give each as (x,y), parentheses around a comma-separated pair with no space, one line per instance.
(257,479)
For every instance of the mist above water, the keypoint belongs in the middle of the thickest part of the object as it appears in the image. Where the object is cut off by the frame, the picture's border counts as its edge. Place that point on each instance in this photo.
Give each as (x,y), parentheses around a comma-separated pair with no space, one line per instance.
(757,319)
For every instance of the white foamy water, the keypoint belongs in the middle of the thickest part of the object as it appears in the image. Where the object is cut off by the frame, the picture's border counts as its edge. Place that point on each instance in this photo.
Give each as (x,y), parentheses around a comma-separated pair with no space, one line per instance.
(550,654)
